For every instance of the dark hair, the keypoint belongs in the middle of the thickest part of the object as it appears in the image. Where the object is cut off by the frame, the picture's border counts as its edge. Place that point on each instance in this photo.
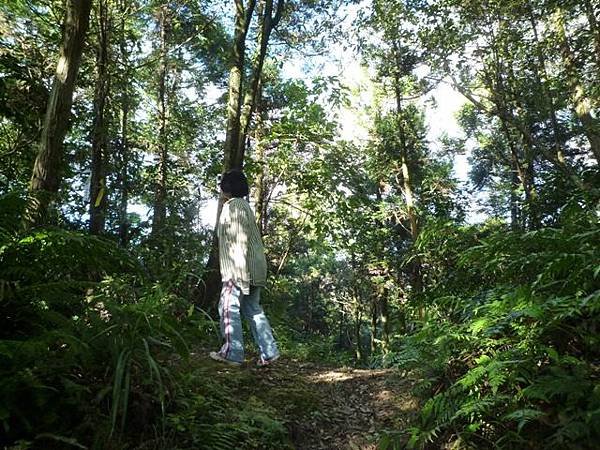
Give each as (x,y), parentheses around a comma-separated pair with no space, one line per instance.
(234,182)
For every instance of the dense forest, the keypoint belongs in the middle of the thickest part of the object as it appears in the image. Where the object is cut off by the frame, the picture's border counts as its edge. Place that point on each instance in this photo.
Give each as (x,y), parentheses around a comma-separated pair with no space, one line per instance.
(480,291)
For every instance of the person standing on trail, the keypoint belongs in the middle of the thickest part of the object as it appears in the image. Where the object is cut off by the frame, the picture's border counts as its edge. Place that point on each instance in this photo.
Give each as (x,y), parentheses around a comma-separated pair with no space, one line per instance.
(244,273)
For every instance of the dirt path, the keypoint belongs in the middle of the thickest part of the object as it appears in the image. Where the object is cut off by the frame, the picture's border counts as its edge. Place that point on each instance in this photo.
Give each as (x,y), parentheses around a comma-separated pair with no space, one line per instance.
(337,408)
(355,407)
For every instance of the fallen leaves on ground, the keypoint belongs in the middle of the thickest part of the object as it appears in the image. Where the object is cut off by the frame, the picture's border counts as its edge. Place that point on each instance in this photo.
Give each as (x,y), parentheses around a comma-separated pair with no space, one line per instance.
(333,408)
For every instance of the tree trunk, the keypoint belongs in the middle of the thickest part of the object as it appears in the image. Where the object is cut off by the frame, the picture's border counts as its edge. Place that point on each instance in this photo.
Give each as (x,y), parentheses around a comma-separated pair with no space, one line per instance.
(160,193)
(384,319)
(517,178)
(341,328)
(499,81)
(581,103)
(405,172)
(260,187)
(409,197)
(593,22)
(407,188)
(514,199)
(260,200)
(374,319)
(357,336)
(240,108)
(46,176)
(521,173)
(417,280)
(123,176)
(98,194)
(267,23)
(209,287)
(532,197)
(243,17)
(547,98)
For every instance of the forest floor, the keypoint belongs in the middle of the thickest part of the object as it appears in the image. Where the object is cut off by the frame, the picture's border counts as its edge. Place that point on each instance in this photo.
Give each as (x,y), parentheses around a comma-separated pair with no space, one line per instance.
(326,407)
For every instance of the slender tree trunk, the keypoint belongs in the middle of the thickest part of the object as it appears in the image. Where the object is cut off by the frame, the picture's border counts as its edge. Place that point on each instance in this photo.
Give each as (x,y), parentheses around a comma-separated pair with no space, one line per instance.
(417,280)
(402,317)
(267,23)
(523,171)
(384,320)
(357,327)
(341,328)
(355,298)
(548,99)
(260,193)
(594,28)
(124,139)
(160,193)
(98,194)
(293,237)
(518,178)
(124,174)
(514,199)
(499,84)
(260,197)
(209,287)
(531,196)
(404,164)
(407,188)
(374,319)
(240,108)
(409,197)
(46,176)
(309,312)
(382,301)
(233,158)
(581,102)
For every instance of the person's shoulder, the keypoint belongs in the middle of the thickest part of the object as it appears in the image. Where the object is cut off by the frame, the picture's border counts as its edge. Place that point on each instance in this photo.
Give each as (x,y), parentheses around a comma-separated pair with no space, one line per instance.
(239,207)
(242,209)
(238,202)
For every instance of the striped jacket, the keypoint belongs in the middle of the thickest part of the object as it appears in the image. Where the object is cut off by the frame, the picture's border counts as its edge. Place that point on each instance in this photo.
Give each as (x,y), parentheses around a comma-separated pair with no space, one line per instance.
(241,252)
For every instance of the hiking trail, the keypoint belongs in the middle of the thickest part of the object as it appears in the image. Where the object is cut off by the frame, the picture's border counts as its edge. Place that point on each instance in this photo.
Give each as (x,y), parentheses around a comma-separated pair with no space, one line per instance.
(326,407)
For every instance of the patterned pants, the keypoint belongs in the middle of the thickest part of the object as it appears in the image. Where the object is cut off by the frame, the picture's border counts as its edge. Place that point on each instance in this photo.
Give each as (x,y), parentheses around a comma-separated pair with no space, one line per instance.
(233,302)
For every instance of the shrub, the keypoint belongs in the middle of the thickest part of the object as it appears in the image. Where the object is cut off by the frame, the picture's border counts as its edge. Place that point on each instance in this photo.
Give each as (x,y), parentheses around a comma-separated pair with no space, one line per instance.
(511,362)
(81,340)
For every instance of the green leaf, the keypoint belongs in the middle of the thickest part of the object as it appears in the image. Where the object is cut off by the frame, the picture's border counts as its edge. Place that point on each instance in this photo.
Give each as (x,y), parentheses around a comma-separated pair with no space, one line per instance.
(524,416)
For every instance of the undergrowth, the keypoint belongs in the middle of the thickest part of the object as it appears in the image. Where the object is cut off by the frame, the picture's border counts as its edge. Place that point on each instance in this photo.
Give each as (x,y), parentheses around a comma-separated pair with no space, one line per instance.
(94,354)
(509,352)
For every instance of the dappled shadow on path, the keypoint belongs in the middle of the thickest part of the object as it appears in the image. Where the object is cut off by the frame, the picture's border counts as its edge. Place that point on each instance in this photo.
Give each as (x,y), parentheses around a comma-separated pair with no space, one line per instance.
(352,407)
(325,407)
